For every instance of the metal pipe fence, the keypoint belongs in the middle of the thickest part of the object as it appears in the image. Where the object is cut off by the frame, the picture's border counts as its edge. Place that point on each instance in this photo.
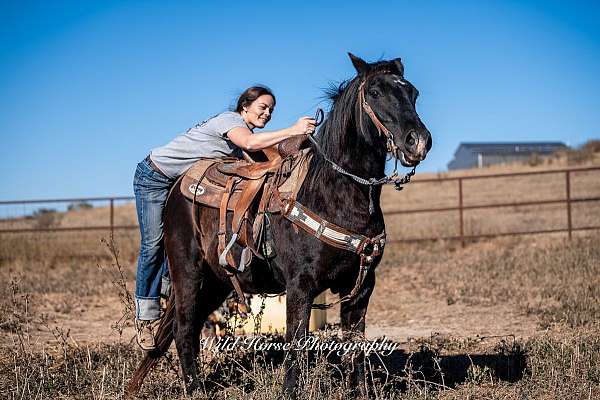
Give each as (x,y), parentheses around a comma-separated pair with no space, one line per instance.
(5,223)
(460,208)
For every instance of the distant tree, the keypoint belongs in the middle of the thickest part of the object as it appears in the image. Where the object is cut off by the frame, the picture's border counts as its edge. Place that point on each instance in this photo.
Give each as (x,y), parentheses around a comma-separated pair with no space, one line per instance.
(80,205)
(43,211)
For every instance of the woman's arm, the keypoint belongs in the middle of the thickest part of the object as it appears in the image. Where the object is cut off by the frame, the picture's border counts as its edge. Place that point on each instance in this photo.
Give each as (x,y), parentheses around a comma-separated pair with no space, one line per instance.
(246,140)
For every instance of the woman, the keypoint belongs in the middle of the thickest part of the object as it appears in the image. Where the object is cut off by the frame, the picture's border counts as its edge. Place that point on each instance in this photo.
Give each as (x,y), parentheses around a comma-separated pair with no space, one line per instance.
(225,134)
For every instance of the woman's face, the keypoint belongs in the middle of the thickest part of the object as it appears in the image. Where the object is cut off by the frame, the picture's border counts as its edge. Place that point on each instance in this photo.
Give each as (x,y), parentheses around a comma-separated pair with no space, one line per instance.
(258,113)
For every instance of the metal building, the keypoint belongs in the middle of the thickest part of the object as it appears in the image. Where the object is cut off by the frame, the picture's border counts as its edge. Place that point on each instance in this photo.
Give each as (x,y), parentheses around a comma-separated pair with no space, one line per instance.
(478,155)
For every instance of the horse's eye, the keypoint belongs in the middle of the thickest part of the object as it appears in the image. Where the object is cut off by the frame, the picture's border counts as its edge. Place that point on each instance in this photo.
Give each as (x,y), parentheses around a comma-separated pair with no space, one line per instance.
(374,93)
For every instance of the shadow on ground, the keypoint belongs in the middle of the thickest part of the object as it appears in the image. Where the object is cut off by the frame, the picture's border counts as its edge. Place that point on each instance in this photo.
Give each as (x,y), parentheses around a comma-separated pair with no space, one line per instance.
(398,369)
(450,370)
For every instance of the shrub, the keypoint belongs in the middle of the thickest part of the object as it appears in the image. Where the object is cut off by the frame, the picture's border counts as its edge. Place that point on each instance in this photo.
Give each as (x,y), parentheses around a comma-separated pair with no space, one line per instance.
(46,218)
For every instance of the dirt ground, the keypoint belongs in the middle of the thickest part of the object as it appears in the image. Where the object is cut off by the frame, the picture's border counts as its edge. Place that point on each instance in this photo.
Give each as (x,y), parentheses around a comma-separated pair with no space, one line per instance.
(403,307)
(406,316)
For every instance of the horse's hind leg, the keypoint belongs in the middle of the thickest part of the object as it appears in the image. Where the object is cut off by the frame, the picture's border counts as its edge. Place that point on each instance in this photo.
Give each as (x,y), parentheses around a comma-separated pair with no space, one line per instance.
(197,295)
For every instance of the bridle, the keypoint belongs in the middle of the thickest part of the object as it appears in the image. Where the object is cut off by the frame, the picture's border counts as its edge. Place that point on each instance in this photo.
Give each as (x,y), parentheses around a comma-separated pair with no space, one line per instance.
(383,131)
(392,178)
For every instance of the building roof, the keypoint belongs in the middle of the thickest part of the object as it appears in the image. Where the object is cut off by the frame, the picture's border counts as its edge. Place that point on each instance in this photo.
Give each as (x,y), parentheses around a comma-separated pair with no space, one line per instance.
(515,147)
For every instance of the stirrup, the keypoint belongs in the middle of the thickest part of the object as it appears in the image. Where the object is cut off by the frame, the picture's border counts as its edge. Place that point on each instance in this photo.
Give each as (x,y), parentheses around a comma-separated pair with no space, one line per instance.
(223,256)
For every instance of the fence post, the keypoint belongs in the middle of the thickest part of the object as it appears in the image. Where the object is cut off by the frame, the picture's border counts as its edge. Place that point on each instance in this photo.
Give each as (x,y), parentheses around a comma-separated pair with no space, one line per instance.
(460,212)
(568,183)
(112,215)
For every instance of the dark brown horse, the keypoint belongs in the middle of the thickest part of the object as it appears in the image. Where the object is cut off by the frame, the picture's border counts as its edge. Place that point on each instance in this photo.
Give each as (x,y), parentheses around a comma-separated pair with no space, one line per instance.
(372,115)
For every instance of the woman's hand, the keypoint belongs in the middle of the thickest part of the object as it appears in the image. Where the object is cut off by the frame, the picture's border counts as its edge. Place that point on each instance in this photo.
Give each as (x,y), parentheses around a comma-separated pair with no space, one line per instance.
(304,126)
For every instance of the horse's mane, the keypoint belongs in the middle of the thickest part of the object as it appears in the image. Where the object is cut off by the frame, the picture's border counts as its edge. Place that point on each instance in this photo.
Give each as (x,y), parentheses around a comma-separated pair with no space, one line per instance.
(343,98)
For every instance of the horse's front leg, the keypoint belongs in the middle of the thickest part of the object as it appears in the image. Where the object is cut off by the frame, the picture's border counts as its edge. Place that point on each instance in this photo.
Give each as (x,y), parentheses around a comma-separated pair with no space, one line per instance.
(298,304)
(352,318)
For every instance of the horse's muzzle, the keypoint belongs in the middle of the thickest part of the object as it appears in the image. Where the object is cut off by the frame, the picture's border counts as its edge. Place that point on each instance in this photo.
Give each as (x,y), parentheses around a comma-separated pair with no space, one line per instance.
(416,146)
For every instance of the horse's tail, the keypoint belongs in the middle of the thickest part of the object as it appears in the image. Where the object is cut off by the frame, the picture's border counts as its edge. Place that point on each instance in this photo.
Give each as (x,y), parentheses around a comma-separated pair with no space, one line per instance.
(163,339)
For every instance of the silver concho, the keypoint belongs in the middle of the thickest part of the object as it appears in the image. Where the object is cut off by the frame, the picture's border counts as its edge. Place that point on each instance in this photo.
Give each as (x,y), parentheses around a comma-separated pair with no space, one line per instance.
(197,191)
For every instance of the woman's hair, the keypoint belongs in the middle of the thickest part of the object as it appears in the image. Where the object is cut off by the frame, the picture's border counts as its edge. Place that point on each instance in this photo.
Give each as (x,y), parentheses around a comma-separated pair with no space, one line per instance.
(251,94)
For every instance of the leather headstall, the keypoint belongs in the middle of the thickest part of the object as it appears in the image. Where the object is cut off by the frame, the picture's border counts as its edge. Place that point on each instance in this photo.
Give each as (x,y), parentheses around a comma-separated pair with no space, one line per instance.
(391,146)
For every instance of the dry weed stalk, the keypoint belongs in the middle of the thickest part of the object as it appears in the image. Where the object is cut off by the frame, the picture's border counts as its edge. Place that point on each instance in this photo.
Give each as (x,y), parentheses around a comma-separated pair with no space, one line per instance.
(119,281)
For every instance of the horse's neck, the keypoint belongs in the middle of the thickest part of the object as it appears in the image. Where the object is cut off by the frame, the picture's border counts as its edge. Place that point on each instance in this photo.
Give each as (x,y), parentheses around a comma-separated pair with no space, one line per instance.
(339,199)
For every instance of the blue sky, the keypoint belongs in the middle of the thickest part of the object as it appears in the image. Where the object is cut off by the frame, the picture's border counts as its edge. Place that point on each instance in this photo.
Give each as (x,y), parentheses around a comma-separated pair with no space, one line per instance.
(88,88)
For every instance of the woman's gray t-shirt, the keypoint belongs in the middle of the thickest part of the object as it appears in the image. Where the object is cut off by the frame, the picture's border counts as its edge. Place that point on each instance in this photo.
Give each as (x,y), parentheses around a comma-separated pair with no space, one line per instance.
(207,139)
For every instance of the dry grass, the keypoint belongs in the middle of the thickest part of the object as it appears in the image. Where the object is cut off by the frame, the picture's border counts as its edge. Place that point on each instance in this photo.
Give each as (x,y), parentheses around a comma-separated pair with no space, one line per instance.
(72,247)
(557,280)
(564,367)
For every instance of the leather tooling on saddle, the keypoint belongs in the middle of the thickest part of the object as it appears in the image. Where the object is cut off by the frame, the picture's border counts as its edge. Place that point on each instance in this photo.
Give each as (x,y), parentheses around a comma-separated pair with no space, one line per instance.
(245,188)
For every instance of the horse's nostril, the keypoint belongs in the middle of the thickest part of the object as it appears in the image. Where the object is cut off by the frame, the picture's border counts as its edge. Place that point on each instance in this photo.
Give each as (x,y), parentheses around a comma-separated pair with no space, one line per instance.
(411,139)
(429,143)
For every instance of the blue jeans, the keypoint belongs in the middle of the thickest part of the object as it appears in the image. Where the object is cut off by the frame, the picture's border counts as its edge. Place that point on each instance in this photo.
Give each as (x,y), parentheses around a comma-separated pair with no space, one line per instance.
(151,190)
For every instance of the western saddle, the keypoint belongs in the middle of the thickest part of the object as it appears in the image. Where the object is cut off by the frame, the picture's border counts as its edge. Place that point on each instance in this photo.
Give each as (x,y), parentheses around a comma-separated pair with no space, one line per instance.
(251,190)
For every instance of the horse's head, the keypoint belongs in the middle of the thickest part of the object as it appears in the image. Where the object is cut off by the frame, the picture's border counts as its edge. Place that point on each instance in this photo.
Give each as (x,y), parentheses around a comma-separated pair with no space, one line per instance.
(388,101)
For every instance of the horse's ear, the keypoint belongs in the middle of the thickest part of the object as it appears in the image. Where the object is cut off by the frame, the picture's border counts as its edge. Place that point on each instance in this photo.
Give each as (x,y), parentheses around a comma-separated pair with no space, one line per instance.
(399,66)
(360,65)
